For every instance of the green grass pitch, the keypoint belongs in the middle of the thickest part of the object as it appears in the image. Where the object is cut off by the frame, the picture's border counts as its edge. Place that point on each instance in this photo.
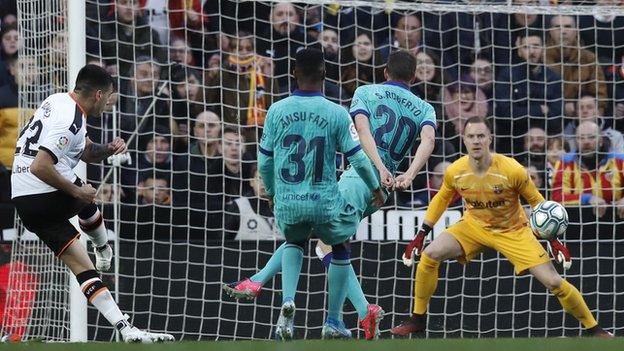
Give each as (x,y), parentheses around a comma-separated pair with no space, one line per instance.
(534,344)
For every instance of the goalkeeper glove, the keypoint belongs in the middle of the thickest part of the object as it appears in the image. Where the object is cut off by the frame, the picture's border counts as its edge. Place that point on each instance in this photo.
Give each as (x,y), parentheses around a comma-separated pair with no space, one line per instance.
(560,253)
(416,246)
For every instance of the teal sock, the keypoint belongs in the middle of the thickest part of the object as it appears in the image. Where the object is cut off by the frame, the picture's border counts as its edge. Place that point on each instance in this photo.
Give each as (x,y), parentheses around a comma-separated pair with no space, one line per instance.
(292,259)
(356,295)
(338,282)
(272,267)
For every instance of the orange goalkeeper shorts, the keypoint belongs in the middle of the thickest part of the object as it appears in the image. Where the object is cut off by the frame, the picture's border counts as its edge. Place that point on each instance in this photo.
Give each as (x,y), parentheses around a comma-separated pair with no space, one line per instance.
(520,247)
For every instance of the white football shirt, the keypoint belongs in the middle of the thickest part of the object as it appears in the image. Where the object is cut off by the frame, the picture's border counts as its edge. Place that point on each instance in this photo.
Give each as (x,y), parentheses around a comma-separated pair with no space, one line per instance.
(57,127)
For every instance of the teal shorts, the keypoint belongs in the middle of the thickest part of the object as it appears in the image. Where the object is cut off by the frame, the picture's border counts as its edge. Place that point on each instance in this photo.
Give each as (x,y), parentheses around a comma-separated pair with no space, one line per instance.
(356,205)
(335,231)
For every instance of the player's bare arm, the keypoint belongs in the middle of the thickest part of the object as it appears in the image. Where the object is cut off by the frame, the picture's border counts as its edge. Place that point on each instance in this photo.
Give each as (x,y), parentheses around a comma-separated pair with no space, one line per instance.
(43,168)
(427,143)
(94,152)
(362,126)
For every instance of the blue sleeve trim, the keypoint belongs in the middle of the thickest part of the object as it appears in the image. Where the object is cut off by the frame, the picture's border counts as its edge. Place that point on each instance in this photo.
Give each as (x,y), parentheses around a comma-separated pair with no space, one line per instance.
(265,152)
(359,111)
(353,151)
(424,123)
(585,198)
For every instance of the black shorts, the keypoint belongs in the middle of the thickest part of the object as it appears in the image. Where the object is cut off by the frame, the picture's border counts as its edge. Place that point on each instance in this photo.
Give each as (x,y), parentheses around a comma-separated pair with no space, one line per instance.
(47,215)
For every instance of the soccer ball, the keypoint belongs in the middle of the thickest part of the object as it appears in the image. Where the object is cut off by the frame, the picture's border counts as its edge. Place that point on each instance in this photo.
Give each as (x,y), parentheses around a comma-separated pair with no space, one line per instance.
(549,220)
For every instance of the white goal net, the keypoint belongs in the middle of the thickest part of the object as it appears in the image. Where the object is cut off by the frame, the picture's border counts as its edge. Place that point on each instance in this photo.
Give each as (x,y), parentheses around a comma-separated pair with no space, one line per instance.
(195,79)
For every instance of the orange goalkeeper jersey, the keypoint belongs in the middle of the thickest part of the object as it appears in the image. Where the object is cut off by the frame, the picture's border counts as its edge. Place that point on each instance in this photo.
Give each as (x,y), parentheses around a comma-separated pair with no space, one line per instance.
(491,200)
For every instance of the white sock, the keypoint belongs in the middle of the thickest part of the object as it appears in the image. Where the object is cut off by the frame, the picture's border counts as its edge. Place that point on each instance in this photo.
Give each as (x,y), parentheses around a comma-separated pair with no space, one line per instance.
(100,297)
(95,229)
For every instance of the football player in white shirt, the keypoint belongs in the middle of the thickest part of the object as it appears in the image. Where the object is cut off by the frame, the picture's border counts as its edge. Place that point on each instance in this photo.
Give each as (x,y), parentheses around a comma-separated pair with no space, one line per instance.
(46,192)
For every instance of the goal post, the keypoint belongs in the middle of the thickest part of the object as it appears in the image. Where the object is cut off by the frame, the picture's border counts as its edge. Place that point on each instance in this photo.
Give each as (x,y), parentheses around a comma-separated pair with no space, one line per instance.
(76,58)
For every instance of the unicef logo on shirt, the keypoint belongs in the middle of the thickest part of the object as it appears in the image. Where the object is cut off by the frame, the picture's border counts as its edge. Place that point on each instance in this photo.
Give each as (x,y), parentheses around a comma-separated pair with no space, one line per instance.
(302,197)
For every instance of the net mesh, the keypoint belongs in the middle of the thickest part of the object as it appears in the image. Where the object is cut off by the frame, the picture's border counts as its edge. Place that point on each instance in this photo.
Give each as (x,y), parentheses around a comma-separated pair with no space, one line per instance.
(195,79)
(36,301)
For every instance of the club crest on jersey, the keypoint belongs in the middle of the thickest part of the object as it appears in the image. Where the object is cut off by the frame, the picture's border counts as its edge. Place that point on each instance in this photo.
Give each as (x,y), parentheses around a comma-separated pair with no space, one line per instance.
(497,189)
(353,132)
(47,109)
(62,142)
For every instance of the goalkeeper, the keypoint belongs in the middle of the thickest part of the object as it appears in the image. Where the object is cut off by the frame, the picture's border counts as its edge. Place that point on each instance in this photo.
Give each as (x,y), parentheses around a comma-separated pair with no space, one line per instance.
(491,185)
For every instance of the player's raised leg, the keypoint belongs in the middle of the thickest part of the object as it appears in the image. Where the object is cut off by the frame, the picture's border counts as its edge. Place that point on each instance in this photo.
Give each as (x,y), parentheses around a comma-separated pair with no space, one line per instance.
(249,288)
(92,223)
(570,298)
(444,246)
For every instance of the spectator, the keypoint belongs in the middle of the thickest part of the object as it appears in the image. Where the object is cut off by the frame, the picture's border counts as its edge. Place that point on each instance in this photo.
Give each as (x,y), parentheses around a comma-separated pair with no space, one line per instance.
(362,64)
(9,45)
(244,88)
(188,20)
(154,155)
(588,109)
(534,151)
(127,35)
(556,147)
(236,166)
(406,35)
(578,172)
(9,90)
(313,22)
(477,35)
(281,41)
(9,41)
(346,18)
(180,52)
(154,190)
(249,217)
(482,72)
(515,25)
(27,73)
(207,134)
(617,92)
(107,194)
(527,95)
(187,96)
(8,13)
(577,67)
(198,178)
(231,16)
(428,82)
(462,100)
(601,34)
(331,47)
(536,177)
(155,151)
(57,59)
(138,93)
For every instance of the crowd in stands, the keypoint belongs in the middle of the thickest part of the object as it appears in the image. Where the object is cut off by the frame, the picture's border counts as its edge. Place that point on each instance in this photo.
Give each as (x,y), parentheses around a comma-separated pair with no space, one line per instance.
(195,80)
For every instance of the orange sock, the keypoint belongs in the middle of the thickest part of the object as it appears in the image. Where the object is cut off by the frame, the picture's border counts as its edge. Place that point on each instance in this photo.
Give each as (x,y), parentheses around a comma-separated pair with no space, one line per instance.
(573,303)
(425,283)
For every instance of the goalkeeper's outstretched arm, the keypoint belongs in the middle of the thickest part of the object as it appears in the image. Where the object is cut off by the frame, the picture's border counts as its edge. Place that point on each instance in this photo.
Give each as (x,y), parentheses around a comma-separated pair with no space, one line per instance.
(439,203)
